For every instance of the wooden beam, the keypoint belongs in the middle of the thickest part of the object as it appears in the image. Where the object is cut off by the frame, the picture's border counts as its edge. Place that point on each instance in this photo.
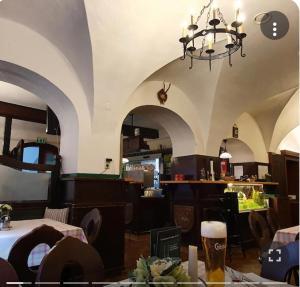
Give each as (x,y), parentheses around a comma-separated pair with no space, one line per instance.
(22,113)
(6,137)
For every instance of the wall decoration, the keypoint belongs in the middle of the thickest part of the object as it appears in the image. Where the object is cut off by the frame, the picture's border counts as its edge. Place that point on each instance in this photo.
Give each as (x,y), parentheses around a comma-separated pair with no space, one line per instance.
(162,94)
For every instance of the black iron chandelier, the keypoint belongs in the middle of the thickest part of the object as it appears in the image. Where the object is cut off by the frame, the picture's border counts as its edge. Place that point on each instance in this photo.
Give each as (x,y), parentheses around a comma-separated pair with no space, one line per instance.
(234,34)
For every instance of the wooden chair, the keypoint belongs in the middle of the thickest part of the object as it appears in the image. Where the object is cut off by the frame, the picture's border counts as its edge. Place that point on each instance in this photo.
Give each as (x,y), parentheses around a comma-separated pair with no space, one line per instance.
(60,214)
(7,274)
(71,260)
(260,231)
(91,224)
(273,220)
(20,251)
(282,263)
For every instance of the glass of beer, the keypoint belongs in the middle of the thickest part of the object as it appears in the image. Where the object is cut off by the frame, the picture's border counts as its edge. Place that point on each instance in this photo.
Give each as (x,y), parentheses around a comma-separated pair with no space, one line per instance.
(214,239)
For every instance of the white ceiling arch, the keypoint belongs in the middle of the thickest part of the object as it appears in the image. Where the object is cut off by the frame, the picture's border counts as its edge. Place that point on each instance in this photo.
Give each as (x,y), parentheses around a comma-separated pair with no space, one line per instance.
(53,97)
(181,135)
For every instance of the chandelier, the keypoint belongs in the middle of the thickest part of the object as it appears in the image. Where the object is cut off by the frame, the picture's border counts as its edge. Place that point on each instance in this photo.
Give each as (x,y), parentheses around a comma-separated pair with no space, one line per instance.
(234,34)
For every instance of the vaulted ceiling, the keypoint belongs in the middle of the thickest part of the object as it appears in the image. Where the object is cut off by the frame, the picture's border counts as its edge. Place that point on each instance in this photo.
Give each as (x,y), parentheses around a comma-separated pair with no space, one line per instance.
(112,48)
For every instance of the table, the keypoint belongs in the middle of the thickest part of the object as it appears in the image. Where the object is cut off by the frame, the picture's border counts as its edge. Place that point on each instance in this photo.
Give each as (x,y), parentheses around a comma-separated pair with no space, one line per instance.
(251,279)
(22,227)
(287,235)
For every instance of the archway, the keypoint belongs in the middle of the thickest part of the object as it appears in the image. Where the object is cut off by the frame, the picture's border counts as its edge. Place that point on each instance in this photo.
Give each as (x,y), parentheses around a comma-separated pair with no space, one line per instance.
(169,135)
(239,151)
(291,141)
(56,100)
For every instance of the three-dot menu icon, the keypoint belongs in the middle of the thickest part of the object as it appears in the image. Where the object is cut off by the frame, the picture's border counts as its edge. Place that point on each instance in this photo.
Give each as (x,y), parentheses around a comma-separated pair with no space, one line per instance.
(275,25)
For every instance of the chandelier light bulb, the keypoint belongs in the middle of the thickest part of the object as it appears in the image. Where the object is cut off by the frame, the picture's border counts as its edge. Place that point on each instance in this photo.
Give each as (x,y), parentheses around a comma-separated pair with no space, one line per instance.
(241,18)
(214,7)
(210,39)
(192,31)
(238,4)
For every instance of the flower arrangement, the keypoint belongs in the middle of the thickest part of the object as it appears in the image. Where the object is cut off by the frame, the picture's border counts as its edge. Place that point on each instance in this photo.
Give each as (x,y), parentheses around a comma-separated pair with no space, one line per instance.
(159,271)
(5,209)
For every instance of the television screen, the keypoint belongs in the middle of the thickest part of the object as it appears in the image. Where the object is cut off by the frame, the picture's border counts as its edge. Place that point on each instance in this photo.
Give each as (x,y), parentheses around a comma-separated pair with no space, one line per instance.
(52,123)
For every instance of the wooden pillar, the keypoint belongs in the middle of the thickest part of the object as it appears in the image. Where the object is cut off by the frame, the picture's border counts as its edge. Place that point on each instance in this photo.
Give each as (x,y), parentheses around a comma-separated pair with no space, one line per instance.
(7,135)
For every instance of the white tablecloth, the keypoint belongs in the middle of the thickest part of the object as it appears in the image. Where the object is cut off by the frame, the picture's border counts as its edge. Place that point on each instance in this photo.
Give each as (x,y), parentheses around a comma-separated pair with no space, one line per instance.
(286,235)
(22,227)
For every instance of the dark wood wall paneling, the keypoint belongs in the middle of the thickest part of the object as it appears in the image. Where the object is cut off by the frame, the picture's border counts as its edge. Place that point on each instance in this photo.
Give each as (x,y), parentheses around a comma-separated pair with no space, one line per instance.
(284,169)
(82,195)
(250,168)
(7,135)
(191,165)
(22,113)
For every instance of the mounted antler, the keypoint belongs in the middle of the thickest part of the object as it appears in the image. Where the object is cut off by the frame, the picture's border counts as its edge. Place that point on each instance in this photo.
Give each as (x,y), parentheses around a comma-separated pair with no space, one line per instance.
(162,94)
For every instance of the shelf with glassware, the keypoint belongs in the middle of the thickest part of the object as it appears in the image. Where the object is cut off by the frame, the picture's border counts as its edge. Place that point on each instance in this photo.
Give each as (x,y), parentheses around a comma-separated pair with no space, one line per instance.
(250,196)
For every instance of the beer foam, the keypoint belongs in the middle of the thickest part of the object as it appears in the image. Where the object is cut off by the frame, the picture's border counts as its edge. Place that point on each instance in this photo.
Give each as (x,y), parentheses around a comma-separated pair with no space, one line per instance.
(213,229)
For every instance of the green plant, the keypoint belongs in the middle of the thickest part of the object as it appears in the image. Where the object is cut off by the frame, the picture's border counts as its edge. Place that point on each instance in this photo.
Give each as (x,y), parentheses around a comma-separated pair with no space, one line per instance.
(158,272)
(5,209)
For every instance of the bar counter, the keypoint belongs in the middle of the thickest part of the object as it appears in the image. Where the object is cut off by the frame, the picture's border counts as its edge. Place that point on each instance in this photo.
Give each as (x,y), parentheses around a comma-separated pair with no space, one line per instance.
(189,199)
(163,182)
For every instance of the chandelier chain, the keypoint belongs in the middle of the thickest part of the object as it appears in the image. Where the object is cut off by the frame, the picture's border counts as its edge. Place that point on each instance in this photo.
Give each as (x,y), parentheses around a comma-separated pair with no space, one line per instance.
(221,17)
(202,11)
(206,27)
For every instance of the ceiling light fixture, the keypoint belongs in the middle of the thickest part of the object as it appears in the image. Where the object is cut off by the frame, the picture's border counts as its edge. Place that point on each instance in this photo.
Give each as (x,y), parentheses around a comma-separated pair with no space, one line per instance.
(234,34)
(225,154)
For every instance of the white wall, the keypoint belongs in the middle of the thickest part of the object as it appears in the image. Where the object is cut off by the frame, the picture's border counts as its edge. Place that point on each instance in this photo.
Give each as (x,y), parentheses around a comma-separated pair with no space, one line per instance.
(286,122)
(250,134)
(291,142)
(239,150)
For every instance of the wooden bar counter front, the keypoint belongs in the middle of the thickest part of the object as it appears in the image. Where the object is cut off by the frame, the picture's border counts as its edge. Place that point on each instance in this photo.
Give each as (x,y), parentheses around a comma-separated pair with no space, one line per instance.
(190,198)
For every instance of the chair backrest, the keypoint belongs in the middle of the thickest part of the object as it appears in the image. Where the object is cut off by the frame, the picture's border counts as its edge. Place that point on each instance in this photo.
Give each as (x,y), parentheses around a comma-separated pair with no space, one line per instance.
(60,214)
(165,242)
(273,220)
(7,274)
(91,224)
(259,229)
(71,260)
(280,262)
(20,251)
(213,214)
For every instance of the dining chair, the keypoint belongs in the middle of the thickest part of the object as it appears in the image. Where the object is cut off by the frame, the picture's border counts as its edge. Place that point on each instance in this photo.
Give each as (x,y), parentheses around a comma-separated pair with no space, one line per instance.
(91,224)
(71,260)
(273,220)
(228,216)
(282,263)
(20,251)
(260,230)
(7,274)
(60,214)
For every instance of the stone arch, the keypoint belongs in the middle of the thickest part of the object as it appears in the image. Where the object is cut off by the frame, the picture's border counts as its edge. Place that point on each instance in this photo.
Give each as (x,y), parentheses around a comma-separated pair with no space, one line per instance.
(54,98)
(291,141)
(181,135)
(240,151)
(286,122)
(177,107)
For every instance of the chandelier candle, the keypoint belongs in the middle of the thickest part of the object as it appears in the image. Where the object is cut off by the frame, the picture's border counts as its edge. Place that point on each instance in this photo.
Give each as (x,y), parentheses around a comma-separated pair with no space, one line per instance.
(193,263)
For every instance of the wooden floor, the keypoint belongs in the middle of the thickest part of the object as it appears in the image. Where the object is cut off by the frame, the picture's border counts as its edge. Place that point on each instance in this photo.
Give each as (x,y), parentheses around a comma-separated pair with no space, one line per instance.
(137,245)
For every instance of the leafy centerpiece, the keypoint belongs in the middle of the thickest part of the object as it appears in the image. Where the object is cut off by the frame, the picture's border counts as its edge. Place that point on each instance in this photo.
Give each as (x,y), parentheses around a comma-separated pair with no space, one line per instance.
(158,272)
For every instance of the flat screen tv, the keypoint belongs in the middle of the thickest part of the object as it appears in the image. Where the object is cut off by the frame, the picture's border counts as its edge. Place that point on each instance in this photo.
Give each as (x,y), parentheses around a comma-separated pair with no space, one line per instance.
(52,123)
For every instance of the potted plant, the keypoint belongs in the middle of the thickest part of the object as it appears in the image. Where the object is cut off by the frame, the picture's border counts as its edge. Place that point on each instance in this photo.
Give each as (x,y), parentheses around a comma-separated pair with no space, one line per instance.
(5,210)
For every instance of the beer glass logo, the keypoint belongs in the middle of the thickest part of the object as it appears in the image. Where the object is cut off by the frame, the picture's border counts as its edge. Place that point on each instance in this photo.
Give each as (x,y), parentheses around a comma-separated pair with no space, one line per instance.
(219,246)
